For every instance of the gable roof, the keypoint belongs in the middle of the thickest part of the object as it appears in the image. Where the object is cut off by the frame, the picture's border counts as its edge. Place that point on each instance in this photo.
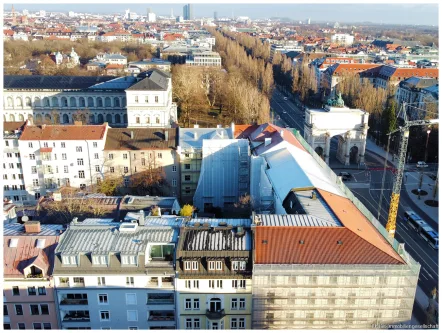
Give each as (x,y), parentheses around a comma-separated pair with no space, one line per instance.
(154,79)
(402,73)
(11,126)
(64,132)
(338,69)
(143,138)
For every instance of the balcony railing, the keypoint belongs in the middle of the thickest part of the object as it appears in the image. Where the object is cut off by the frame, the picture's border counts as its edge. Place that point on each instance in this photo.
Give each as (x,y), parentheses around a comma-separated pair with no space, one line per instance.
(215,315)
(69,318)
(161,300)
(161,318)
(74,302)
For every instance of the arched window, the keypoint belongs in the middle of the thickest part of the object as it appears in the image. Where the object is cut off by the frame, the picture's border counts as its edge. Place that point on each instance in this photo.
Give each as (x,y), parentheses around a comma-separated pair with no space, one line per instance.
(99,102)
(124,101)
(11,117)
(65,119)
(100,119)
(148,120)
(72,102)
(107,102)
(48,118)
(64,102)
(117,119)
(37,102)
(215,305)
(46,101)
(125,118)
(21,117)
(54,101)
(18,102)
(82,102)
(109,118)
(38,118)
(91,119)
(10,102)
(157,120)
(116,101)
(90,102)
(28,102)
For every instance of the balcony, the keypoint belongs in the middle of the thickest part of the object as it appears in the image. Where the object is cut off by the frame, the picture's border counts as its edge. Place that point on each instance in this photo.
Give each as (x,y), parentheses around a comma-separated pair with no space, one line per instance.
(215,315)
(161,316)
(74,302)
(76,318)
(154,299)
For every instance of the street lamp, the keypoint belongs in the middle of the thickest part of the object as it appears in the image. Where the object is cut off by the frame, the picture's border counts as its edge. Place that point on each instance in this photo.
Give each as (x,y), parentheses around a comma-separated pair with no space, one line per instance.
(426,145)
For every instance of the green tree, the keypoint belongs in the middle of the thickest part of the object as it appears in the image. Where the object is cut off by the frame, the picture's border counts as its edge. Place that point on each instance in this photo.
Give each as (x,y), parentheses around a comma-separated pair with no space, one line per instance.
(109,186)
(389,118)
(187,210)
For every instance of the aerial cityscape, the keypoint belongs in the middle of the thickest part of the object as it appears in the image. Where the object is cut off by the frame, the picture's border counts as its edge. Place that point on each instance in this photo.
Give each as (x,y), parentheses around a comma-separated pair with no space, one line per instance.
(209,166)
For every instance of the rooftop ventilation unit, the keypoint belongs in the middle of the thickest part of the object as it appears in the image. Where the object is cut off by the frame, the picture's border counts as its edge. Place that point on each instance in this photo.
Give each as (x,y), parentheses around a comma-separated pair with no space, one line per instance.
(13,242)
(40,243)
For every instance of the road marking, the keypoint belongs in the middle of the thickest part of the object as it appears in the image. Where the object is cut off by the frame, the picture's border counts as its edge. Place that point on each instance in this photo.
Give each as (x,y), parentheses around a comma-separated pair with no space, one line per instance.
(427,272)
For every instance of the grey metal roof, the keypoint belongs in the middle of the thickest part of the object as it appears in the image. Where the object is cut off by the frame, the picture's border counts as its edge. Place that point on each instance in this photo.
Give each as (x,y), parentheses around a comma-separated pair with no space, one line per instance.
(140,202)
(99,221)
(193,137)
(154,221)
(295,220)
(41,82)
(153,79)
(215,222)
(317,208)
(18,229)
(215,240)
(121,83)
(98,239)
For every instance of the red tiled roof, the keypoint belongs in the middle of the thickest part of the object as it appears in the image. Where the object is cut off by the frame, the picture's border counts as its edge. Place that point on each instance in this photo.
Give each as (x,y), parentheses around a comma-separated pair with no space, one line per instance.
(11,126)
(338,69)
(64,132)
(8,32)
(45,150)
(114,66)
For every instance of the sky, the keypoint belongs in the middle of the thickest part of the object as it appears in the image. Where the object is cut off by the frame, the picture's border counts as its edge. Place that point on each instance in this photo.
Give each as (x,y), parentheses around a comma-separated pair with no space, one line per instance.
(397,13)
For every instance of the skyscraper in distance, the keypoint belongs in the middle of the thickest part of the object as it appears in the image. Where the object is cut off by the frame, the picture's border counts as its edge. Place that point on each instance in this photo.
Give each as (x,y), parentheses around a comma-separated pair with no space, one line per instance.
(215,15)
(188,12)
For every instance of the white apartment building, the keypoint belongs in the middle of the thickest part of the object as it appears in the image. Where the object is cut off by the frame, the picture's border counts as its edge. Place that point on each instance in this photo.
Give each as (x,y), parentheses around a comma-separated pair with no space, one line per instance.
(115,276)
(57,155)
(95,100)
(112,58)
(204,58)
(13,179)
(342,39)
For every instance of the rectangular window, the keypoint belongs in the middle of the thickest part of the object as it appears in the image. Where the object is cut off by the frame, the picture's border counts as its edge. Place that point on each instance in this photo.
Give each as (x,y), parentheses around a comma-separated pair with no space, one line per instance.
(42,290)
(187,178)
(5,310)
(126,169)
(63,145)
(146,99)
(101,281)
(196,323)
(78,280)
(30,144)
(174,182)
(196,303)
(187,166)
(32,156)
(132,315)
(188,304)
(234,304)
(15,291)
(32,291)
(234,323)
(37,326)
(95,144)
(242,303)
(21,326)
(136,99)
(79,149)
(242,323)
(130,281)
(104,316)
(47,326)
(188,323)
(156,99)
(124,156)
(102,299)
(97,168)
(191,265)
(45,144)
(160,155)
(80,161)
(64,157)
(6,143)
(111,156)
(131,299)
(34,310)
(81,174)
(44,309)
(66,169)
(18,309)
(96,156)
(238,265)
(111,169)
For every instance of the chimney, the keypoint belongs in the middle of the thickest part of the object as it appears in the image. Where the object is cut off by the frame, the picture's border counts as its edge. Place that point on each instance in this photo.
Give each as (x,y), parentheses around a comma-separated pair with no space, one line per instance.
(282,133)
(267,141)
(32,227)
(166,135)
(131,134)
(196,126)
(219,126)
(314,195)
(141,220)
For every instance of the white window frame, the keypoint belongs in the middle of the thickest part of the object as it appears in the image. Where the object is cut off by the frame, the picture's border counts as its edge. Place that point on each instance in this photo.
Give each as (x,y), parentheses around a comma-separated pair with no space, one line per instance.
(136,315)
(234,304)
(195,321)
(234,323)
(242,304)
(101,280)
(102,312)
(242,323)
(130,281)
(187,304)
(132,294)
(189,323)
(196,303)
(104,296)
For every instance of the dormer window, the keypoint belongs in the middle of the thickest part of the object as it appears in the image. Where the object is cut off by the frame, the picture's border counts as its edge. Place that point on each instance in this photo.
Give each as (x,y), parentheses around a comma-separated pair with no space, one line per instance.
(69,260)
(99,260)
(129,260)
(215,265)
(191,265)
(238,265)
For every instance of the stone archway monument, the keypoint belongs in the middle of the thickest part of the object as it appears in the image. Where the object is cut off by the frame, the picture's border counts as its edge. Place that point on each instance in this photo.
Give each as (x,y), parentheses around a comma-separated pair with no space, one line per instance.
(335,119)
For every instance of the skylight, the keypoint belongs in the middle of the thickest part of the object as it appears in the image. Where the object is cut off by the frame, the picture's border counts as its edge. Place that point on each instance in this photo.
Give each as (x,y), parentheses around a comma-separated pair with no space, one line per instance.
(13,242)
(40,243)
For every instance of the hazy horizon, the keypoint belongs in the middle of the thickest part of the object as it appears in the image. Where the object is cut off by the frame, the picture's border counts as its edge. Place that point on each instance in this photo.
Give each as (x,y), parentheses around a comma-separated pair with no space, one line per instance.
(415,14)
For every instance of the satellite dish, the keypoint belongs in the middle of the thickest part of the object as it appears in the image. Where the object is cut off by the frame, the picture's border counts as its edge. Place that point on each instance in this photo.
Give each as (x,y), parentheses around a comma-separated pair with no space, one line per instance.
(25,218)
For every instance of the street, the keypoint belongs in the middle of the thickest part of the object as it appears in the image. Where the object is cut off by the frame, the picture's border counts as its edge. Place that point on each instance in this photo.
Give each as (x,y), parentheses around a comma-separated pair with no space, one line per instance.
(368,187)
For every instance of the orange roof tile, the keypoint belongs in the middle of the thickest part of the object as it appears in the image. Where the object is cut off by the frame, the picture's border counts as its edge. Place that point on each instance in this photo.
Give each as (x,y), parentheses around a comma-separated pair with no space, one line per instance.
(114,66)
(64,132)
(355,68)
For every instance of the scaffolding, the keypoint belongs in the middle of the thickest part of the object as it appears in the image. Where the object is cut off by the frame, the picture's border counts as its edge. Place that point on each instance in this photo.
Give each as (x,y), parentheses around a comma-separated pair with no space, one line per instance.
(332,296)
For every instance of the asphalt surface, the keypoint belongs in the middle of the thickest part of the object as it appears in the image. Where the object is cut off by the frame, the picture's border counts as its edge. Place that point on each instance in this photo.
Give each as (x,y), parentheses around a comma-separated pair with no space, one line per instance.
(367,187)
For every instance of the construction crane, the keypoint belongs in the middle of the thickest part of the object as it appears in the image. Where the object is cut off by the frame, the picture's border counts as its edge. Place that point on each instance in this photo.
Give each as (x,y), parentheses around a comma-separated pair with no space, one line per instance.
(397,183)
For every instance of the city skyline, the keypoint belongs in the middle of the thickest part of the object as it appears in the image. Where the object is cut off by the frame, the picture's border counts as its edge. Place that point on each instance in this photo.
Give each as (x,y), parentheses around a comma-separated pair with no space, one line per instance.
(414,14)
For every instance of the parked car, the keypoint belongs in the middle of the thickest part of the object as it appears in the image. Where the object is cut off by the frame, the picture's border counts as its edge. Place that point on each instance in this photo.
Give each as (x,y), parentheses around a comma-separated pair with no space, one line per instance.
(345,176)
(421,164)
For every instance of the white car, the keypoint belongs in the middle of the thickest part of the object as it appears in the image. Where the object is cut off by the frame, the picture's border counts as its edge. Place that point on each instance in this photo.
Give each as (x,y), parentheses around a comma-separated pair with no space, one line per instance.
(421,164)
(285,98)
